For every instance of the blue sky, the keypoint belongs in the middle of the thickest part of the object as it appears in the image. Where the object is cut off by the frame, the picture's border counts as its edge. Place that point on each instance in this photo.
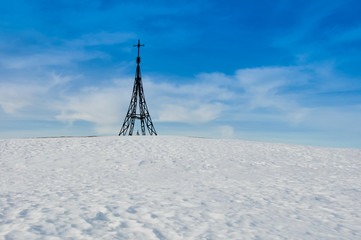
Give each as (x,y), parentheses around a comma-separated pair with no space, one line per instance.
(279,71)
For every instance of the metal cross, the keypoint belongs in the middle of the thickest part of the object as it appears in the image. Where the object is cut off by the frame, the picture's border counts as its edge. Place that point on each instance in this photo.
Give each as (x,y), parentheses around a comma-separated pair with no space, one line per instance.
(138,45)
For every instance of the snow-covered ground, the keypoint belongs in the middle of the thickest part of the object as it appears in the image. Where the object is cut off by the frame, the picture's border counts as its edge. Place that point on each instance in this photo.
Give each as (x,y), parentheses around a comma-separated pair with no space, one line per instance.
(177,188)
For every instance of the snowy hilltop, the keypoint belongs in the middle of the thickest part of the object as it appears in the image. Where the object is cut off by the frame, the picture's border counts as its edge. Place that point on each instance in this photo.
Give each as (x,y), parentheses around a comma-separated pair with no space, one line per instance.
(177,188)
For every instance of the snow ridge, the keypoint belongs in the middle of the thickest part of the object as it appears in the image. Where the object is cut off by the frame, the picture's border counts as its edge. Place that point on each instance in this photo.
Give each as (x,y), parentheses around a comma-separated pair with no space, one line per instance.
(177,188)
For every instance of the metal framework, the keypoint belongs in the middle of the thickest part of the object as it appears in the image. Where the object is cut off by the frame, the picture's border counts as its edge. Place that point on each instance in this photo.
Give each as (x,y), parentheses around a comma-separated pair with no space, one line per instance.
(143,116)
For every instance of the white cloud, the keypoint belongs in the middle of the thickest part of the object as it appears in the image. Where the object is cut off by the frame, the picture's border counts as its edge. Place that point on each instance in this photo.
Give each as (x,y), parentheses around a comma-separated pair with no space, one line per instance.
(264,96)
(200,102)
(14,97)
(226,131)
(106,107)
(33,99)
(102,38)
(50,57)
(30,94)
(58,79)
(68,52)
(264,89)
(96,105)
(189,113)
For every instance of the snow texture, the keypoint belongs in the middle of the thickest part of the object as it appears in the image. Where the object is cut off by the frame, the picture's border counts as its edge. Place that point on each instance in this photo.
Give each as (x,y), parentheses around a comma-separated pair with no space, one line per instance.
(177,188)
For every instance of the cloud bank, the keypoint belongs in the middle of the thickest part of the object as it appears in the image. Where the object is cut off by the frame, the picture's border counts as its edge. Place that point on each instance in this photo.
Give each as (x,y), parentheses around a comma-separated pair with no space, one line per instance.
(227,104)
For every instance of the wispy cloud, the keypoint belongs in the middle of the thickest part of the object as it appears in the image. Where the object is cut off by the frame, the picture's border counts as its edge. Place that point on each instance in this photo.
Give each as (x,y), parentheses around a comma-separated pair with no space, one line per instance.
(54,52)
(274,92)
(222,102)
(107,106)
(101,38)
(14,97)
(104,107)
(226,131)
(265,89)
(198,113)
(48,58)
(201,101)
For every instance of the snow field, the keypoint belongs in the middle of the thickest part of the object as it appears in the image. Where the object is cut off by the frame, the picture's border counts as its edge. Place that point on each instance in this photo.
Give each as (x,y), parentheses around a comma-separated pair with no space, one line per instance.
(177,188)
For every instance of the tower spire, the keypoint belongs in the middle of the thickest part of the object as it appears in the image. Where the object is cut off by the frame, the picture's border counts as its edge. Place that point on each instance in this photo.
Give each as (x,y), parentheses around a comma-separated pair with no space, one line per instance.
(138,95)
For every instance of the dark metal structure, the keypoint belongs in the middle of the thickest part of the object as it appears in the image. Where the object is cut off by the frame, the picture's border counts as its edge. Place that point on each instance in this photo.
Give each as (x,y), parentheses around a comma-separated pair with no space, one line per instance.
(138,95)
